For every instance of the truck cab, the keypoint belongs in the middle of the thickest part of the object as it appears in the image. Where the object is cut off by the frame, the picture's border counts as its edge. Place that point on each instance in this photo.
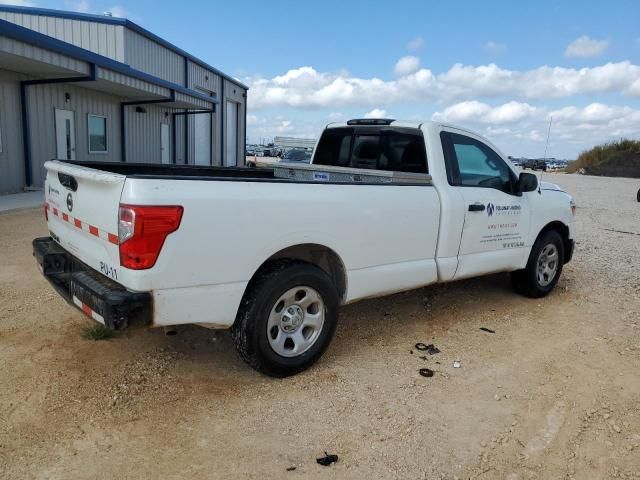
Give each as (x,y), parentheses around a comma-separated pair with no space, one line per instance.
(493,210)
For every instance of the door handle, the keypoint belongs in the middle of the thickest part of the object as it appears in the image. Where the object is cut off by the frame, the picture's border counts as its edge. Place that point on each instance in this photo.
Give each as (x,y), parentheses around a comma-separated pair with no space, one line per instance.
(476,207)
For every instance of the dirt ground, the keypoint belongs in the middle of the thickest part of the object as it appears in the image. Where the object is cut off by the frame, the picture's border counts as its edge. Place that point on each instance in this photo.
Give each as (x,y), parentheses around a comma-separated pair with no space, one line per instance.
(553,393)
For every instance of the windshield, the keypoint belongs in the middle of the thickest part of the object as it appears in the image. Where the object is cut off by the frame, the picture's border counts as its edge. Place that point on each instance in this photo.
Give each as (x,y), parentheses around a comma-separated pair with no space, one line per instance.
(297,155)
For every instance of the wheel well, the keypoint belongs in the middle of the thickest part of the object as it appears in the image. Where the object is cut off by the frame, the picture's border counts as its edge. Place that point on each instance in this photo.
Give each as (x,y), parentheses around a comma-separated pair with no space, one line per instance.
(318,255)
(561,228)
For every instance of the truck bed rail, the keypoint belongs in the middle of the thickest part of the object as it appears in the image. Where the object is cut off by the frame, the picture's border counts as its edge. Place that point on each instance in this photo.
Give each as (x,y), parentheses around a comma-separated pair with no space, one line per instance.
(332,174)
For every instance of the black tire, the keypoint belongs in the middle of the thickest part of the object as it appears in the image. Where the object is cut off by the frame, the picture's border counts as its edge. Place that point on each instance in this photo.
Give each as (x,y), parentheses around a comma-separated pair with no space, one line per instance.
(249,331)
(525,281)
(638,195)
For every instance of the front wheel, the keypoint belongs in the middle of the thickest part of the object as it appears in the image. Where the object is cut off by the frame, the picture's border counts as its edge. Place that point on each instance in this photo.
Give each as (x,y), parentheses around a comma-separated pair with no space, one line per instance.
(286,319)
(544,267)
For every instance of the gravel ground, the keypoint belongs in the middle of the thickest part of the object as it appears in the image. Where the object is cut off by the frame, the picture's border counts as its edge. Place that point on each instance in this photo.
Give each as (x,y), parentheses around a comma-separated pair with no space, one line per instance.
(553,393)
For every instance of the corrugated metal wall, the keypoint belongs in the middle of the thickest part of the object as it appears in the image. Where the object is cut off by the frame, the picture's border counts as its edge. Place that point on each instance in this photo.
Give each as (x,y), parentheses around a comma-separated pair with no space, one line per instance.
(42,102)
(203,79)
(180,158)
(151,57)
(136,83)
(234,93)
(206,83)
(104,39)
(22,49)
(11,156)
(143,134)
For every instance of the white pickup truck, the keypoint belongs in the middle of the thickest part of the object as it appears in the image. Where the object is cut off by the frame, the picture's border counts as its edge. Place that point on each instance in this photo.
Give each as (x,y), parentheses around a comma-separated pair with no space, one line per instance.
(272,253)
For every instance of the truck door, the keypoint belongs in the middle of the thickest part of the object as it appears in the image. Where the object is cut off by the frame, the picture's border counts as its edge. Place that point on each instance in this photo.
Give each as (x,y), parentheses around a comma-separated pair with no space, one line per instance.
(496,219)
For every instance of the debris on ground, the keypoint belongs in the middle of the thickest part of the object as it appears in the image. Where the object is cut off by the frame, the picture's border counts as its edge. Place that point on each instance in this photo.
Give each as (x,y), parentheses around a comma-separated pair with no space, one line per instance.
(620,231)
(488,330)
(423,357)
(290,469)
(431,349)
(456,364)
(426,372)
(327,459)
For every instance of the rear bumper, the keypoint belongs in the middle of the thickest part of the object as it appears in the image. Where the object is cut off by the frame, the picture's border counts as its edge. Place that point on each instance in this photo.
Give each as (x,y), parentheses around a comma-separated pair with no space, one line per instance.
(97,296)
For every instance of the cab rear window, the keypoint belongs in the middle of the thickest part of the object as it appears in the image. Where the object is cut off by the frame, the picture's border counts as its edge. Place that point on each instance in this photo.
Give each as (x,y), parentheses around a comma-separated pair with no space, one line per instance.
(390,149)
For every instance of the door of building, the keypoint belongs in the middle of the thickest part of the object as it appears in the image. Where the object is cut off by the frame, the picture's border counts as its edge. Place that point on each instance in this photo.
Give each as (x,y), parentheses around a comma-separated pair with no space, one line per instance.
(164,143)
(65,135)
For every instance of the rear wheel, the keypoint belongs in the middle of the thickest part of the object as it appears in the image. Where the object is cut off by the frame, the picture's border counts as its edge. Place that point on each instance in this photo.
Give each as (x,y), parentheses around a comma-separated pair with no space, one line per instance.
(287,319)
(544,266)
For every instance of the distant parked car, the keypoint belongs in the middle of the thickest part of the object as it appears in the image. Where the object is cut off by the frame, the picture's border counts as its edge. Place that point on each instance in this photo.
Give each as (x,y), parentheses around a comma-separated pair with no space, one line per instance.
(297,156)
(251,151)
(535,165)
(259,152)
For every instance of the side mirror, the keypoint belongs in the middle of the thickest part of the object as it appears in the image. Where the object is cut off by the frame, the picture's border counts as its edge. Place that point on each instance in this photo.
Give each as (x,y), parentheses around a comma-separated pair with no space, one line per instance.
(527,182)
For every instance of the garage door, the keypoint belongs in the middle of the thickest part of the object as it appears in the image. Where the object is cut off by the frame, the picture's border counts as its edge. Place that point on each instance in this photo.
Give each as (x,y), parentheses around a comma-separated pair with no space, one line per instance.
(231,137)
(202,152)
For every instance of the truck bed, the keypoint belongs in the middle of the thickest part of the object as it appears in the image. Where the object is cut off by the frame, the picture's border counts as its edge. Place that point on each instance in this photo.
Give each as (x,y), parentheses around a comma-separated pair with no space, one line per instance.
(302,173)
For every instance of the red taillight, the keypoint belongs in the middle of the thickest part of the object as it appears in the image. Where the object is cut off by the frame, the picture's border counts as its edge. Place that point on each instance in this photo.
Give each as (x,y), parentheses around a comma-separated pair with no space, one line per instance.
(142,231)
(46,211)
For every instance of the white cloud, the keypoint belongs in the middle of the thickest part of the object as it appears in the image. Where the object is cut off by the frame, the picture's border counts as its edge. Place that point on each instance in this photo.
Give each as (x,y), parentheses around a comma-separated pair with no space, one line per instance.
(518,127)
(406,65)
(17,3)
(376,113)
(306,88)
(416,44)
(586,47)
(495,48)
(482,113)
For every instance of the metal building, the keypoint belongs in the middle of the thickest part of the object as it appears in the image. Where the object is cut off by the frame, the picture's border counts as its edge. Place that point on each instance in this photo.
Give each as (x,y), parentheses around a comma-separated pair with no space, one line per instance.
(292,142)
(91,87)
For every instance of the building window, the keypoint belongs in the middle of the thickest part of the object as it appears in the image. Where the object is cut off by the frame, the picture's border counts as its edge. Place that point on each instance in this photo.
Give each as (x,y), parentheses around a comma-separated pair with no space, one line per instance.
(97,128)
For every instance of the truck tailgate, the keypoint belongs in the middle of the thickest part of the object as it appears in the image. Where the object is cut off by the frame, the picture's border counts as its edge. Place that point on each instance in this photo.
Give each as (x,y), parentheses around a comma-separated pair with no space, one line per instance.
(83,208)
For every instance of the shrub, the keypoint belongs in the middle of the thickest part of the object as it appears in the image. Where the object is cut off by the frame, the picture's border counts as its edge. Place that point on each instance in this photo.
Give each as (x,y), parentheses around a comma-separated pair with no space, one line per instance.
(97,331)
(612,159)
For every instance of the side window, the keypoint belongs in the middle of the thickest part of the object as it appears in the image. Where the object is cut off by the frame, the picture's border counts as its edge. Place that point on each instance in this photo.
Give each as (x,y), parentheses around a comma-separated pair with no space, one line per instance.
(372,148)
(403,152)
(474,164)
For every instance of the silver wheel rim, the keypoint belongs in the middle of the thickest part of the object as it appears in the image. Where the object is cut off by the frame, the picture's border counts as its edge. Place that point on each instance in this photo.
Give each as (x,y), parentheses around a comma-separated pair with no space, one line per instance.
(547,265)
(295,321)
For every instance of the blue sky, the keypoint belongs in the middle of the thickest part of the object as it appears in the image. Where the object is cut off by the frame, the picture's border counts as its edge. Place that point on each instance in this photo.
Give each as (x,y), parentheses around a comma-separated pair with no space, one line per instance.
(479,64)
